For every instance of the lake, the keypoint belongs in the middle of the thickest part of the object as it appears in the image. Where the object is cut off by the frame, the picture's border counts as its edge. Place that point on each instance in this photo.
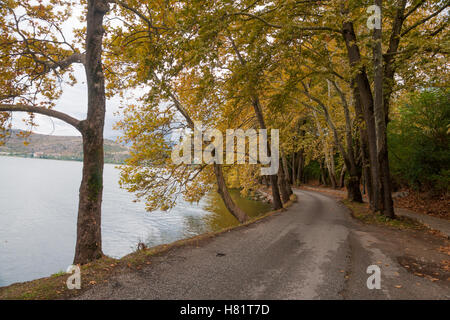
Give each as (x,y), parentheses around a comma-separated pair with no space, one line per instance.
(38,215)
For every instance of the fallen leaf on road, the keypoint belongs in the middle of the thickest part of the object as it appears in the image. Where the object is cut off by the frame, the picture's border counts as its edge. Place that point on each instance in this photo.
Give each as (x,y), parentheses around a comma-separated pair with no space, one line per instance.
(398,286)
(434,279)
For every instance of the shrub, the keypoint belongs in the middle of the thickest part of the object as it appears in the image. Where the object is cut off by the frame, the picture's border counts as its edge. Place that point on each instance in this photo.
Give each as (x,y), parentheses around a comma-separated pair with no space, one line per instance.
(419,141)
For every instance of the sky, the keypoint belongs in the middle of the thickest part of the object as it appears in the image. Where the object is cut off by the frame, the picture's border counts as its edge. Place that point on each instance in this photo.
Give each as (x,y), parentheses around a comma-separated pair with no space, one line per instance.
(73,100)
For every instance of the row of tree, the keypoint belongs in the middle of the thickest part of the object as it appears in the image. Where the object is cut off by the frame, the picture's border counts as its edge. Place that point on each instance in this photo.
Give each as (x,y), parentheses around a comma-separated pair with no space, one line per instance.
(316,70)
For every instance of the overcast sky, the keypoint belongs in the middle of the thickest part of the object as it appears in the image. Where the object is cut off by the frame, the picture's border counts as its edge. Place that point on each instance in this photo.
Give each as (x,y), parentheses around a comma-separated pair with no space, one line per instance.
(73,101)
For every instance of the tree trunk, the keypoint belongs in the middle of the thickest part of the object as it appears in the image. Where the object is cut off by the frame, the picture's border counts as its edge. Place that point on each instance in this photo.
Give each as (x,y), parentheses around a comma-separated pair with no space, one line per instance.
(286,172)
(284,192)
(89,236)
(277,204)
(342,177)
(380,122)
(222,189)
(366,99)
(331,171)
(323,179)
(389,58)
(301,160)
(293,173)
(353,189)
(364,145)
(89,240)
(354,193)
(264,181)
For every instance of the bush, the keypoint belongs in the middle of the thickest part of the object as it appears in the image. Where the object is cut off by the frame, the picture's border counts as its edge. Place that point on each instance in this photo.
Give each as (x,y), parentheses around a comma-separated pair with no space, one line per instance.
(419,141)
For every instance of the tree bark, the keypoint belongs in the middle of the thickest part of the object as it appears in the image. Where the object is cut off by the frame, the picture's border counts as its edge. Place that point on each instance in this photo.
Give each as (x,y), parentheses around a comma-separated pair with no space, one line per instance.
(364,144)
(366,98)
(354,172)
(301,163)
(380,122)
(286,172)
(89,238)
(293,175)
(389,58)
(284,192)
(342,177)
(323,178)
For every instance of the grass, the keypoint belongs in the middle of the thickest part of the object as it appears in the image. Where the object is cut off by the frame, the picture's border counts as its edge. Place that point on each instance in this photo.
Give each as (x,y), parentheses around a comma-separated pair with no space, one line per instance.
(59,273)
(362,212)
(101,270)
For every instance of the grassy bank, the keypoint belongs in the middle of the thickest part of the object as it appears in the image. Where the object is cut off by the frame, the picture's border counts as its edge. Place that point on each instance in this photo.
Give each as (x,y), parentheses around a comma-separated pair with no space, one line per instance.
(362,212)
(97,272)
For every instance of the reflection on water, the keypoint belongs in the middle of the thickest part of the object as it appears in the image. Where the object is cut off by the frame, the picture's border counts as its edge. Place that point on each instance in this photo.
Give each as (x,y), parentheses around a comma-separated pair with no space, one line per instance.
(221,218)
(38,210)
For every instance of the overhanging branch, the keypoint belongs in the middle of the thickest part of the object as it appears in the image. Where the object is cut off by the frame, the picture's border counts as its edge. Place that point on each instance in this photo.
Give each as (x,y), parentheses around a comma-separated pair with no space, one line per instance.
(40,110)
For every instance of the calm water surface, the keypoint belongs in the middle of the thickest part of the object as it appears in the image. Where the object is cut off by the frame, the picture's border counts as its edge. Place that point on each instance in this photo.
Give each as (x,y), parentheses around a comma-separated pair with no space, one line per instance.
(38,214)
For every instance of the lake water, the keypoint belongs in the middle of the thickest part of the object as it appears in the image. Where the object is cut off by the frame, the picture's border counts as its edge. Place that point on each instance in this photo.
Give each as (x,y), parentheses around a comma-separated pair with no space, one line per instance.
(38,215)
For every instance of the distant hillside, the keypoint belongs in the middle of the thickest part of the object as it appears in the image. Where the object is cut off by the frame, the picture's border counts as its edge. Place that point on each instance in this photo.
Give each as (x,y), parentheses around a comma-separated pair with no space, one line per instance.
(58,147)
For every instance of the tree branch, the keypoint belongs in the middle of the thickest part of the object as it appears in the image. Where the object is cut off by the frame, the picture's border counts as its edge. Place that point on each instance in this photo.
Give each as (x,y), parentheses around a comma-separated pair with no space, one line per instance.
(40,110)
(418,23)
(276,26)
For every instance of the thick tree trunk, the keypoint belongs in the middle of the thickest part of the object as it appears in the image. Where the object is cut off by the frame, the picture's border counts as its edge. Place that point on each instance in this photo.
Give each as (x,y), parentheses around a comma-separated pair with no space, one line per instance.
(353,189)
(364,145)
(366,99)
(284,192)
(380,122)
(286,173)
(222,189)
(89,237)
(389,58)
